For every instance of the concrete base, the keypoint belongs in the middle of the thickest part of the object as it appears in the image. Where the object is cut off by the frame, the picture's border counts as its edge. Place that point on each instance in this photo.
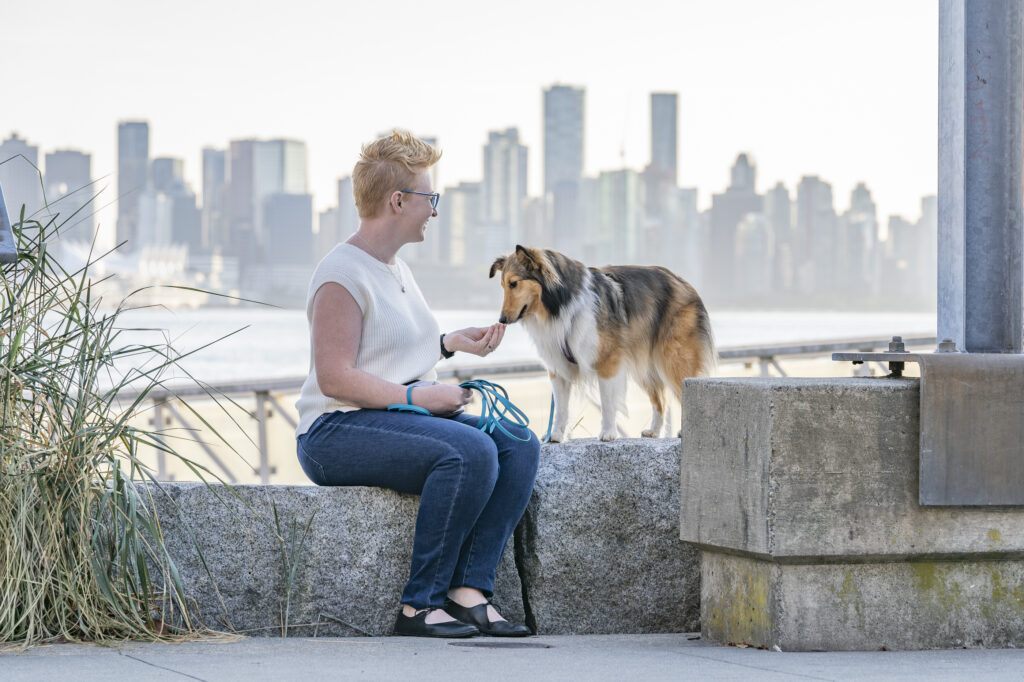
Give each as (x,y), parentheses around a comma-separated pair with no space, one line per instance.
(862,606)
(803,496)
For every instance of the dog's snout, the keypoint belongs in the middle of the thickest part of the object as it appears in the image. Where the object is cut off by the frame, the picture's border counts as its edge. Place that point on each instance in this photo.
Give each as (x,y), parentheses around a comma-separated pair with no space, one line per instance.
(503,319)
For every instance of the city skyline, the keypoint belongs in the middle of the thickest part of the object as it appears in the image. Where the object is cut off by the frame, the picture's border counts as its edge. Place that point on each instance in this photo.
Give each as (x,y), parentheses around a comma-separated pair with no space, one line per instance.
(845,93)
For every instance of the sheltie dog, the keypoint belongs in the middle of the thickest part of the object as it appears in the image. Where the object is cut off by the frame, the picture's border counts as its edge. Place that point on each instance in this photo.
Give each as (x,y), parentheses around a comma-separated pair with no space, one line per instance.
(604,324)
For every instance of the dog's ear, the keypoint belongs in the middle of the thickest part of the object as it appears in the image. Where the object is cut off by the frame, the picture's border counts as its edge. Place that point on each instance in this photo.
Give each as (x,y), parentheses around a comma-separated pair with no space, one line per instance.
(498,264)
(528,257)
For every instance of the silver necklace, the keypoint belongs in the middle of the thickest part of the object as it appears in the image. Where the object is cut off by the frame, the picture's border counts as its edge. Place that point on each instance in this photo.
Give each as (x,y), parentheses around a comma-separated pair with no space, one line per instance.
(397,275)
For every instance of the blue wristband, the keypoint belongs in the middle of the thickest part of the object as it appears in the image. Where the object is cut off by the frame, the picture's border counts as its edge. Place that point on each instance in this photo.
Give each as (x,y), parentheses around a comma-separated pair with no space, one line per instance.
(408,407)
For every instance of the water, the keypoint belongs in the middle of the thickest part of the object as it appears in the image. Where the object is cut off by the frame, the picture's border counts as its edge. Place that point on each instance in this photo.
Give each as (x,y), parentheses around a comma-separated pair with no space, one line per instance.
(254,343)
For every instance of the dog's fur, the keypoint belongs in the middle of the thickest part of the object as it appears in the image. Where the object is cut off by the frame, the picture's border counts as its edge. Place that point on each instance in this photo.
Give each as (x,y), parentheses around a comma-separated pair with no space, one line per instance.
(604,324)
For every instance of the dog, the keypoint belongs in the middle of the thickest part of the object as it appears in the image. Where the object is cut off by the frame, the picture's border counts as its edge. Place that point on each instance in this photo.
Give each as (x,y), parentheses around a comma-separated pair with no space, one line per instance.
(604,324)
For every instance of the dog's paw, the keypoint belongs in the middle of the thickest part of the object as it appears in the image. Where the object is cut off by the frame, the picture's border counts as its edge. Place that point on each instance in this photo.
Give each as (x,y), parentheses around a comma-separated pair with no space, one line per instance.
(648,433)
(557,437)
(609,435)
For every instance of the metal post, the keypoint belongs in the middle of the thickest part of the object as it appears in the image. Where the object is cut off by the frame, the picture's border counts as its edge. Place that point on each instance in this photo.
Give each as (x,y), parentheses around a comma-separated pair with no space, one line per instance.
(261,418)
(981,154)
(8,249)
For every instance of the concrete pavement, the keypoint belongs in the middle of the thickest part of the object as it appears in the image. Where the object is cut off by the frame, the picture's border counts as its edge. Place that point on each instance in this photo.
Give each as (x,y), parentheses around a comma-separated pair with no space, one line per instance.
(579,657)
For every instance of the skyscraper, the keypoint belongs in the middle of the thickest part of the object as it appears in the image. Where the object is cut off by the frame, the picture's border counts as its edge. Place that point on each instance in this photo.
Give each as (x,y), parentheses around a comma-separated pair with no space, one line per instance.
(815,238)
(132,177)
(19,177)
(214,188)
(258,169)
(503,189)
(563,135)
(664,135)
(727,210)
(660,177)
(563,164)
(69,190)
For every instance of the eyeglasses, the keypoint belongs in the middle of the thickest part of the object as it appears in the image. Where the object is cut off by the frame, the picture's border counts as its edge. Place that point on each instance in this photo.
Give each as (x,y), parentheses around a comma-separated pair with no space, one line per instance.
(434,196)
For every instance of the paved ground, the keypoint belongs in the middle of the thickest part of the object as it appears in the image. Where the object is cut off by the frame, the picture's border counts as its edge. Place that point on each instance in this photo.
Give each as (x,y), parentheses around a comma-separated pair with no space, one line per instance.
(593,657)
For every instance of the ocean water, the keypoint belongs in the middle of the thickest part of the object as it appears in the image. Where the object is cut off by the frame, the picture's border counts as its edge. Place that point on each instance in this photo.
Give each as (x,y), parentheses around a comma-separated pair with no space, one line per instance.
(230,344)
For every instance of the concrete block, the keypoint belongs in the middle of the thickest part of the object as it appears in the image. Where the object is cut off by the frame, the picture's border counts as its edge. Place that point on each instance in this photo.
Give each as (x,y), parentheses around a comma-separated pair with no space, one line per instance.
(803,496)
(599,548)
(351,569)
(819,468)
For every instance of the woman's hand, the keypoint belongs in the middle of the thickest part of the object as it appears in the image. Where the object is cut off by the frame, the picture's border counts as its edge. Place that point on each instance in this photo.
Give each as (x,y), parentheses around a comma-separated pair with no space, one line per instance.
(480,341)
(441,398)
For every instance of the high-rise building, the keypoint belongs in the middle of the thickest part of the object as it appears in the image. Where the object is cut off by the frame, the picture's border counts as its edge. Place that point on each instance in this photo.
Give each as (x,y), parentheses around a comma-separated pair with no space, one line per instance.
(563,164)
(289,224)
(620,213)
(132,177)
(857,253)
(503,189)
(563,135)
(256,170)
(727,211)
(778,210)
(167,174)
(815,237)
(70,192)
(459,223)
(214,216)
(19,177)
(664,135)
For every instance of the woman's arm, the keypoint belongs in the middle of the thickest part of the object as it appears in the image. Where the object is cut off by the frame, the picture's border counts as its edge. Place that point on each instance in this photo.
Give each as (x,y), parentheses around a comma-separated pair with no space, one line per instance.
(337,327)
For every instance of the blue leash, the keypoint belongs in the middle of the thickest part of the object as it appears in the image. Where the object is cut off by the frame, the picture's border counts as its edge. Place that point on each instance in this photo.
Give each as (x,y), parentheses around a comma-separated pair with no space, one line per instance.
(496,406)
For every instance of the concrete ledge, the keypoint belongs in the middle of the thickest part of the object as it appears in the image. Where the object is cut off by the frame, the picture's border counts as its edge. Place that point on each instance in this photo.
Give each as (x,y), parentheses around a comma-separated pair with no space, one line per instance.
(803,496)
(598,549)
(349,573)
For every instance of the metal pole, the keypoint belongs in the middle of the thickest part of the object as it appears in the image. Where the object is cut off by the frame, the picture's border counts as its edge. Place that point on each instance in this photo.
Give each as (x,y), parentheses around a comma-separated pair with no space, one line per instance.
(981,154)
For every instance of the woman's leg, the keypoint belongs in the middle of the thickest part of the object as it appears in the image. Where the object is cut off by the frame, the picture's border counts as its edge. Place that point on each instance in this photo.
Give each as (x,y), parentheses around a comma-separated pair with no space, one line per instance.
(482,549)
(451,465)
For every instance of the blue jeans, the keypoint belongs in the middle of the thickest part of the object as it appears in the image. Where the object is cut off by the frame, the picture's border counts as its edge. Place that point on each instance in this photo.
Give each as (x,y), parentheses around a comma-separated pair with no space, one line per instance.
(473,487)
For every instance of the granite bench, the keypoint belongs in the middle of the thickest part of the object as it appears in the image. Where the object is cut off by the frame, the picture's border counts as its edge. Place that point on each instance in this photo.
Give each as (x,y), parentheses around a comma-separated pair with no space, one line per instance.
(598,550)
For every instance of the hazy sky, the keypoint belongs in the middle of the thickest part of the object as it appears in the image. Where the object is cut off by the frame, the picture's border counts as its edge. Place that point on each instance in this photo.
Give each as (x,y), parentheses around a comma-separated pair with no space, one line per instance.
(843,90)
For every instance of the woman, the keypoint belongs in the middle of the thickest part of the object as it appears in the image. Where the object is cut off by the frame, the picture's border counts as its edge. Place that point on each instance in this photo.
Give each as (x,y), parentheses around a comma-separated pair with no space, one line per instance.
(372,335)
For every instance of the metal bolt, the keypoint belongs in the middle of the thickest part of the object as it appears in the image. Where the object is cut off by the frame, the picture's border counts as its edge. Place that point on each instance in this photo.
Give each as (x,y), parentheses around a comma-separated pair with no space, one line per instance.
(946,346)
(896,345)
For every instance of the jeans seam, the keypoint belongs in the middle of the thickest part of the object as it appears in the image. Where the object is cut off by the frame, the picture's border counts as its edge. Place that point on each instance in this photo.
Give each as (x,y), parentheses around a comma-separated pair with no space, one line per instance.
(447,521)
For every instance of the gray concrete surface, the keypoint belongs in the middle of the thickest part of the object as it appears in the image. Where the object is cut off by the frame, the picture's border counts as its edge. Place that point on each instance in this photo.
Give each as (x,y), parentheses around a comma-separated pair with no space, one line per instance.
(820,468)
(803,497)
(581,657)
(598,549)
(350,568)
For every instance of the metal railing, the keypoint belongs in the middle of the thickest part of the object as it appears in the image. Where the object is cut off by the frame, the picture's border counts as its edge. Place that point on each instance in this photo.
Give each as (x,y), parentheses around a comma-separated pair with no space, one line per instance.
(266,392)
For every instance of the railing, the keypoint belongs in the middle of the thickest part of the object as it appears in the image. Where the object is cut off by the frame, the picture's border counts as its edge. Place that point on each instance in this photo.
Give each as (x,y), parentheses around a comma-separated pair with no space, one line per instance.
(264,391)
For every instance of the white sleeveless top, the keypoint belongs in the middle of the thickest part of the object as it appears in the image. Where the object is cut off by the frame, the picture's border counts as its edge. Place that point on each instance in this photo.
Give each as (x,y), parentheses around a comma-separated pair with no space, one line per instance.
(399,341)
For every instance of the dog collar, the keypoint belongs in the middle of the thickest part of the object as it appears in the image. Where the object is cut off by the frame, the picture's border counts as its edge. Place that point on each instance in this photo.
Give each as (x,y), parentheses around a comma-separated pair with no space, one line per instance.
(567,352)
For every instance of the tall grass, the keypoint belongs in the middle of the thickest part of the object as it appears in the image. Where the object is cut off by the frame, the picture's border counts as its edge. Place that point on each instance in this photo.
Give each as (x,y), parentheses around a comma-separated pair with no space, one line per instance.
(81,552)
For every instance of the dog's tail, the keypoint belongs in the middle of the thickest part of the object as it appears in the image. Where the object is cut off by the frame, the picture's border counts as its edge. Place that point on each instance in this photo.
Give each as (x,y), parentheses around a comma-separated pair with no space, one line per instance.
(706,338)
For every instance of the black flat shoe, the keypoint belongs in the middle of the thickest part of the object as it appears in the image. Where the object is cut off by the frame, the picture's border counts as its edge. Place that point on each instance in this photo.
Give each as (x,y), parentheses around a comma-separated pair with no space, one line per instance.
(417,626)
(477,615)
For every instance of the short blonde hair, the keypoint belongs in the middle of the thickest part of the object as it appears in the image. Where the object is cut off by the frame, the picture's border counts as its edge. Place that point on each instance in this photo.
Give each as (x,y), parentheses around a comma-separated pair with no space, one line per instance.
(386,165)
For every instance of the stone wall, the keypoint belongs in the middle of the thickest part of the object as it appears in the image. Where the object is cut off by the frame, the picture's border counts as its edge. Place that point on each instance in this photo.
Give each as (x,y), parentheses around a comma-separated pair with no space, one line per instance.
(598,550)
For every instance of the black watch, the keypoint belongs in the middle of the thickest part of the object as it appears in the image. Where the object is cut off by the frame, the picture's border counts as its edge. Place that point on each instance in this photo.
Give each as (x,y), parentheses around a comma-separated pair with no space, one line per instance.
(445,353)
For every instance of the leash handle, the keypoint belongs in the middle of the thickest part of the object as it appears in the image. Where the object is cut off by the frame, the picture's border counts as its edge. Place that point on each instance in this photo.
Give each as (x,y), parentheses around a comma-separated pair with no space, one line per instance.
(497,406)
